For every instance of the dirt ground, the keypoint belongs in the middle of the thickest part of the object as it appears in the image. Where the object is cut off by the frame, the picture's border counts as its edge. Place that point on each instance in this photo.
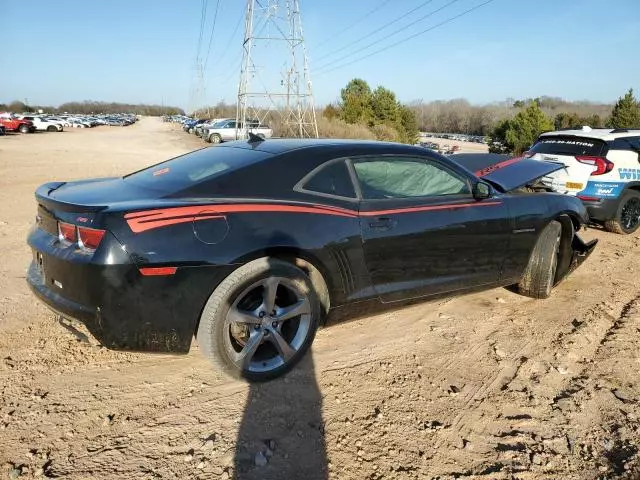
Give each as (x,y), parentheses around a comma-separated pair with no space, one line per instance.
(490,385)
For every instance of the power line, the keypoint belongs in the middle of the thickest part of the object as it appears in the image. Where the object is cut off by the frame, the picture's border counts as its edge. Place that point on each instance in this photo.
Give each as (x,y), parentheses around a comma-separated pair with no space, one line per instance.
(449,20)
(203,18)
(213,28)
(395,32)
(350,26)
(373,32)
(225,50)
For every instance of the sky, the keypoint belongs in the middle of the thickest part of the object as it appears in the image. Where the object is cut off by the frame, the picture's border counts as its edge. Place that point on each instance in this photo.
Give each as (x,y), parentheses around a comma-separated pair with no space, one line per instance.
(144,51)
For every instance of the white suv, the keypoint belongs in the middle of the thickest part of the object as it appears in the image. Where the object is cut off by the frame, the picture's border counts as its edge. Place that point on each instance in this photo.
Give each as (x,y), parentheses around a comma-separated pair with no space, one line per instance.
(602,169)
(44,124)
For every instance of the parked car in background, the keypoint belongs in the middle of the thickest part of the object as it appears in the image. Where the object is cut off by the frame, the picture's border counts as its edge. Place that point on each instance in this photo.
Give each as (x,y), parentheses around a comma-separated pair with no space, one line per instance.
(60,120)
(79,123)
(12,123)
(201,130)
(190,126)
(44,124)
(602,168)
(226,131)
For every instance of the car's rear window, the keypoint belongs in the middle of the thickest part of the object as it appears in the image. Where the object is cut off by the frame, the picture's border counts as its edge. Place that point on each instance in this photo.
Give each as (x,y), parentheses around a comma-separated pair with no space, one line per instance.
(195,167)
(569,145)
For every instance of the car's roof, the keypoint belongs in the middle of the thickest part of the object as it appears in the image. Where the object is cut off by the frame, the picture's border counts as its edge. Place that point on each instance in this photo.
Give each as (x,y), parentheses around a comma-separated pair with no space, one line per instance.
(282,145)
(599,133)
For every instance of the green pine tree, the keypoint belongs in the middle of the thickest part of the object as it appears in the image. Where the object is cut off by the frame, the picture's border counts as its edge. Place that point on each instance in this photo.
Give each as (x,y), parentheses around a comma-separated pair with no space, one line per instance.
(626,112)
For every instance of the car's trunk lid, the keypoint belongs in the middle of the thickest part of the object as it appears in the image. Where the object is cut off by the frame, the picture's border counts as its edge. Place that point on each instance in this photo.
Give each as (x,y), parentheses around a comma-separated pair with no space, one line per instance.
(89,195)
(80,202)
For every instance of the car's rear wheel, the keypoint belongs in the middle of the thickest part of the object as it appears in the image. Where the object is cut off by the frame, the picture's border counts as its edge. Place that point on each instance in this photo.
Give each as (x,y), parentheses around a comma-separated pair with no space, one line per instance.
(539,276)
(260,321)
(215,138)
(627,219)
(24,128)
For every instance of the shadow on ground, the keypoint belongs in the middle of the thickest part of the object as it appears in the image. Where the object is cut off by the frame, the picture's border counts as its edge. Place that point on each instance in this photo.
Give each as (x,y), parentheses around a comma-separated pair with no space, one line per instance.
(282,433)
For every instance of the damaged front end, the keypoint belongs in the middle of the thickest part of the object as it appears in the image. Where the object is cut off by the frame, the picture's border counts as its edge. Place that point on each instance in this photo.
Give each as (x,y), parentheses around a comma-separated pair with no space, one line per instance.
(581,251)
(573,250)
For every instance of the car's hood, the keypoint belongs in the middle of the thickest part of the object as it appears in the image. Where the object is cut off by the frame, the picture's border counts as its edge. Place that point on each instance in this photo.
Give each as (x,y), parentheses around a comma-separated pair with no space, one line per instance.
(508,173)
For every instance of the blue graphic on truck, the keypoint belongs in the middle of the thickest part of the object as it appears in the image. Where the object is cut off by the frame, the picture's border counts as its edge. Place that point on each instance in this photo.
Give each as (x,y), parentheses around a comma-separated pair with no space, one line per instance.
(629,173)
(603,189)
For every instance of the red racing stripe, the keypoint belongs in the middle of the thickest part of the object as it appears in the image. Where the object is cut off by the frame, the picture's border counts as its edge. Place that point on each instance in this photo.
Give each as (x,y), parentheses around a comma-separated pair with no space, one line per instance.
(427,208)
(141,225)
(497,166)
(152,219)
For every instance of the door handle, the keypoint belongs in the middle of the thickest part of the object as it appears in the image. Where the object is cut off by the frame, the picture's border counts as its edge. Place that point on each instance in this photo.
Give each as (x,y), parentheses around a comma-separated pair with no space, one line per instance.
(382,223)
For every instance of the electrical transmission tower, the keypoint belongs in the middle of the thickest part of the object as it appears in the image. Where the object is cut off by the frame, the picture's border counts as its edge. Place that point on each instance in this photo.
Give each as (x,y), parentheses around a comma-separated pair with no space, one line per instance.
(275,86)
(198,92)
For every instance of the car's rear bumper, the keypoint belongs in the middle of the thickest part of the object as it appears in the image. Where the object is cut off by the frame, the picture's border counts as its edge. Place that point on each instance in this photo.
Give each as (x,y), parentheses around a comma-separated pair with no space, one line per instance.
(122,308)
(60,305)
(602,209)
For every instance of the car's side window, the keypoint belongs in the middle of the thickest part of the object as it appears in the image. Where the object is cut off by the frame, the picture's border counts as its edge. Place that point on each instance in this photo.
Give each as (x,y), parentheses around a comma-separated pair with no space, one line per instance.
(331,179)
(406,177)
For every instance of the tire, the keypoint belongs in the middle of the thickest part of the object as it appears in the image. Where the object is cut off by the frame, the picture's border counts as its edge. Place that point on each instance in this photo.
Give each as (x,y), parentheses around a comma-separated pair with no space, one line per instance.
(250,349)
(24,128)
(215,138)
(51,128)
(539,276)
(627,218)
(191,131)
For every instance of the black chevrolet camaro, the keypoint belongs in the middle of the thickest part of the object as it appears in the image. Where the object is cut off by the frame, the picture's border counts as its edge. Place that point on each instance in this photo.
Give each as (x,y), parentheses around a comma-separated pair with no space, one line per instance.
(248,245)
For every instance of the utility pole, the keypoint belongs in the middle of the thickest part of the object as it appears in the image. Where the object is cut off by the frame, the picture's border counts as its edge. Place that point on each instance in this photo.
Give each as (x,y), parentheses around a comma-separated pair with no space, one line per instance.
(273,37)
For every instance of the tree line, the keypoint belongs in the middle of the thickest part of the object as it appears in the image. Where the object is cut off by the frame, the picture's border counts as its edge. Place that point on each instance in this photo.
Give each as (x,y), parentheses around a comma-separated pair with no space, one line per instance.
(91,107)
(460,116)
(511,126)
(379,110)
(516,134)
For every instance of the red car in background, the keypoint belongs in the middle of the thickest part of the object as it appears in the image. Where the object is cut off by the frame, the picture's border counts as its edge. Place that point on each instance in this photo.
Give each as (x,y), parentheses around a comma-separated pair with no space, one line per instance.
(13,124)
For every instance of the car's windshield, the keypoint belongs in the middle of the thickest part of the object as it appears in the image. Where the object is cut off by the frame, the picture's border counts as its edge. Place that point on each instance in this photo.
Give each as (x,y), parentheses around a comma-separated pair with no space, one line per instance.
(187,170)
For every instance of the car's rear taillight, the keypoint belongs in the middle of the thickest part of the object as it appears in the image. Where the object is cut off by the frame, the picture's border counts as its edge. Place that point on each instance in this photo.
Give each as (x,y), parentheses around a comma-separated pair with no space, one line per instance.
(602,165)
(89,238)
(85,238)
(67,232)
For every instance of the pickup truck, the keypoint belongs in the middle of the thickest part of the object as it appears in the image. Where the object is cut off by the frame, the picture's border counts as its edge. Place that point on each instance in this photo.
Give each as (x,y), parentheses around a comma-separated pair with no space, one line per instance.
(44,124)
(12,123)
(202,128)
(225,131)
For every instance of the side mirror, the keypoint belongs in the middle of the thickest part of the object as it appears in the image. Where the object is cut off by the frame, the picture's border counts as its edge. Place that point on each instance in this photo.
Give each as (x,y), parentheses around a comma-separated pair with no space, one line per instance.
(481,191)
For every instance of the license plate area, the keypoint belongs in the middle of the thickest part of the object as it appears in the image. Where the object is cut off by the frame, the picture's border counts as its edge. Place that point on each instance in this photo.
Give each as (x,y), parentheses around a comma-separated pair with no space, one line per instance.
(38,260)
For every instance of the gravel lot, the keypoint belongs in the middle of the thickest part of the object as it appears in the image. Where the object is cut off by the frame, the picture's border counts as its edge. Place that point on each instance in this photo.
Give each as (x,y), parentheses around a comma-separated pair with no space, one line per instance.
(490,385)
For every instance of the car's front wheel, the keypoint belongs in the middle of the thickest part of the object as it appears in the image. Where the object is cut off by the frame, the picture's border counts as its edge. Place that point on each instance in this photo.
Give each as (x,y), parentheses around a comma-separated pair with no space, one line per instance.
(51,128)
(260,321)
(24,128)
(627,219)
(215,138)
(539,276)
